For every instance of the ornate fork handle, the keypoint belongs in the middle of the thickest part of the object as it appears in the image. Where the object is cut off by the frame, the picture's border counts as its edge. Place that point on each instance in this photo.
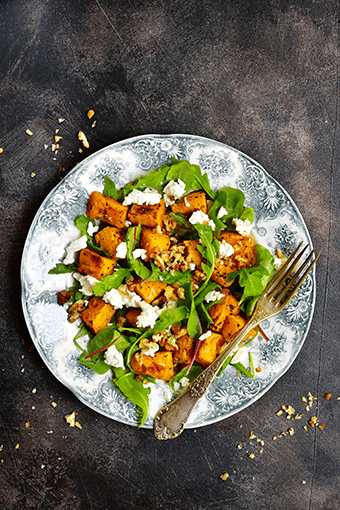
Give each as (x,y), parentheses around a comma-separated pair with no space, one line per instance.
(172,417)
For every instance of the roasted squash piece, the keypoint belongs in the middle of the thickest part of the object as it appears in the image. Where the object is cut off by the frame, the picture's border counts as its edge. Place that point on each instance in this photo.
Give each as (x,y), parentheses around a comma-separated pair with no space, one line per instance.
(233,325)
(195,201)
(147,215)
(209,349)
(107,209)
(149,290)
(159,366)
(222,268)
(153,242)
(185,351)
(192,255)
(132,316)
(108,239)
(244,253)
(94,264)
(220,311)
(97,315)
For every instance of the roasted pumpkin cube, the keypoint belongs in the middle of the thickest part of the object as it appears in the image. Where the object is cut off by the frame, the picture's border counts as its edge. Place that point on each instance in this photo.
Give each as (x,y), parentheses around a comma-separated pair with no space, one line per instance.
(108,239)
(95,265)
(147,215)
(244,254)
(132,316)
(233,325)
(209,349)
(153,242)
(159,366)
(185,351)
(97,315)
(195,201)
(149,290)
(191,253)
(222,268)
(220,311)
(107,209)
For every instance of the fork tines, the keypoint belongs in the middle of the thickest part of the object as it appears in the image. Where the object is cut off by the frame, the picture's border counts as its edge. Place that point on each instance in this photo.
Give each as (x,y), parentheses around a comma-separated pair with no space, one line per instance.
(283,277)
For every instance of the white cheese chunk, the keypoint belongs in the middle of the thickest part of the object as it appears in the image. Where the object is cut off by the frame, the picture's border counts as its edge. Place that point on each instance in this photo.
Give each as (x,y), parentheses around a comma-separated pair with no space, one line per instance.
(73,247)
(139,253)
(172,191)
(242,227)
(121,251)
(226,250)
(202,218)
(113,357)
(214,295)
(148,196)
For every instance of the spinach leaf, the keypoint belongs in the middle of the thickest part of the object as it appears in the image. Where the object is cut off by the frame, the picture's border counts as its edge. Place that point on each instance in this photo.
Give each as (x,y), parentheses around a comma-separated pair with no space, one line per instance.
(110,189)
(63,268)
(132,242)
(247,214)
(111,281)
(136,392)
(100,342)
(82,222)
(184,171)
(204,316)
(232,200)
(208,249)
(154,180)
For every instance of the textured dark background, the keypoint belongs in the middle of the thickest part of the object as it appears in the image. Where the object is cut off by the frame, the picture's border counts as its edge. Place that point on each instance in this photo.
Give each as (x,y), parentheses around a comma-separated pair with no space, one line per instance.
(261,76)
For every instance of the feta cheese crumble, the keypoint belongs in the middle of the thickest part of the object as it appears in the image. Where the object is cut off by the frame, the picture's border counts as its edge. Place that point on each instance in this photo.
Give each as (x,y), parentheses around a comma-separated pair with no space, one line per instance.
(92,229)
(113,357)
(73,247)
(214,295)
(222,212)
(202,218)
(139,253)
(226,250)
(278,262)
(122,297)
(87,282)
(204,336)
(242,227)
(121,251)
(172,191)
(148,196)
(147,318)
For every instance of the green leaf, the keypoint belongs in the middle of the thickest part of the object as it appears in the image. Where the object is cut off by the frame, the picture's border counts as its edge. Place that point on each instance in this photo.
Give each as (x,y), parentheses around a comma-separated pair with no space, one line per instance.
(110,189)
(193,373)
(136,392)
(82,222)
(184,171)
(111,281)
(182,220)
(241,368)
(63,268)
(154,180)
(248,214)
(105,337)
(83,331)
(232,200)
(194,325)
(132,242)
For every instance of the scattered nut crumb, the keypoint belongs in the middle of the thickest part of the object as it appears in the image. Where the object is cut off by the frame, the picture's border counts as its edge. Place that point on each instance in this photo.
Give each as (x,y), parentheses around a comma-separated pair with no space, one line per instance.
(258,369)
(29,132)
(279,412)
(1,150)
(327,396)
(27,424)
(304,427)
(303,482)
(291,432)
(42,466)
(90,114)
(83,139)
(321,426)
(94,124)
(57,138)
(17,446)
(32,174)
(53,404)
(50,432)
(71,420)
(239,446)
(224,476)
(251,456)
(34,390)
(61,120)
(252,435)
(304,399)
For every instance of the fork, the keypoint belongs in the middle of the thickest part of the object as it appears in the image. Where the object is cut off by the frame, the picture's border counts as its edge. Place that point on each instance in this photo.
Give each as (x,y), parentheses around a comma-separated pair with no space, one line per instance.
(170,420)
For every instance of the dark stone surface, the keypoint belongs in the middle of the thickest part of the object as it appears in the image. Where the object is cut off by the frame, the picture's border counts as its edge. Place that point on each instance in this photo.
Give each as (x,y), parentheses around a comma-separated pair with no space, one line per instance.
(261,76)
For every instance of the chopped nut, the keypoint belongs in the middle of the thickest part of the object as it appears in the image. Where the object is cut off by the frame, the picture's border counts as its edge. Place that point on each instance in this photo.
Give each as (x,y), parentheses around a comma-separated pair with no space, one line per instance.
(61,120)
(94,124)
(258,369)
(27,425)
(57,139)
(77,424)
(224,476)
(304,399)
(291,432)
(1,150)
(34,390)
(327,396)
(71,419)
(239,446)
(90,114)
(252,435)
(251,456)
(29,132)
(83,139)
(53,404)
(279,412)
(17,446)
(304,427)
(32,174)
(321,426)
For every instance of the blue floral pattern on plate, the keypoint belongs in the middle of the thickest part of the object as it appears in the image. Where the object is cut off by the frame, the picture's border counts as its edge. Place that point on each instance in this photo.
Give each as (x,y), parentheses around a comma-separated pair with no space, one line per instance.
(278,224)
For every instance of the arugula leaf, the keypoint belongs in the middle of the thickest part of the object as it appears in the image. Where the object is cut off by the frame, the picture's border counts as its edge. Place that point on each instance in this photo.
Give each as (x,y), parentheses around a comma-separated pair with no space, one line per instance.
(204,316)
(184,171)
(136,392)
(241,368)
(111,281)
(110,189)
(194,324)
(105,337)
(208,250)
(83,331)
(132,242)
(182,220)
(154,180)
(232,200)
(248,214)
(255,279)
(63,268)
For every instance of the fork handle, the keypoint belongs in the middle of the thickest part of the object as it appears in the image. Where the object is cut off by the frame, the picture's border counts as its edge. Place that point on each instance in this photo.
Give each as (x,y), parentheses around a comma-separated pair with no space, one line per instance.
(170,420)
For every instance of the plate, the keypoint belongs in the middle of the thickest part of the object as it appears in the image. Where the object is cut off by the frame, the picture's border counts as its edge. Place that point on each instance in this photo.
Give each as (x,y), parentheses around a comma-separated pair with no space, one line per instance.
(278,224)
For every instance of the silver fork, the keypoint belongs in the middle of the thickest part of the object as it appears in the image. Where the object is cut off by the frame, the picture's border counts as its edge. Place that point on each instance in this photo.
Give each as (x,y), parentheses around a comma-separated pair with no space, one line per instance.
(170,420)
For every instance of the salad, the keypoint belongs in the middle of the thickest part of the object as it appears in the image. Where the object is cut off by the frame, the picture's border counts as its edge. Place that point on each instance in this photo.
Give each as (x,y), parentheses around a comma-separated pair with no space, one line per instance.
(165,273)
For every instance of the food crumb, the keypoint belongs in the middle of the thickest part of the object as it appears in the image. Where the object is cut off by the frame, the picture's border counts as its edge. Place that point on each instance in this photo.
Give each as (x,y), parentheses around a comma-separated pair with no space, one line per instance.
(61,120)
(321,426)
(251,456)
(71,420)
(34,390)
(83,139)
(279,412)
(42,466)
(27,424)
(258,369)
(53,404)
(57,138)
(1,150)
(239,446)
(224,476)
(50,432)
(305,427)
(291,432)
(90,114)
(252,435)
(29,132)
(327,396)
(303,482)
(17,446)
(32,174)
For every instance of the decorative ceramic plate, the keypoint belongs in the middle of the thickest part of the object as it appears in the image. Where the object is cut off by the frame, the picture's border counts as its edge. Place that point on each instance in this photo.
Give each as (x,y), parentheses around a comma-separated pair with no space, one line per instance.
(278,224)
